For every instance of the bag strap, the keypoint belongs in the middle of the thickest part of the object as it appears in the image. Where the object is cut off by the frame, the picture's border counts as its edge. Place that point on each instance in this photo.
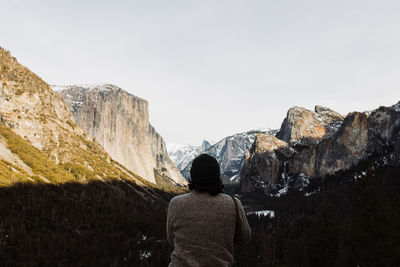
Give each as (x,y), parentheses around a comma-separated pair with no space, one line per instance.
(237,219)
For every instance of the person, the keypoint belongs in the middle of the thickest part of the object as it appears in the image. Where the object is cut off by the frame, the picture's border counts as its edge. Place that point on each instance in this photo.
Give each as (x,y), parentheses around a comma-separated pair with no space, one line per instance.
(204,225)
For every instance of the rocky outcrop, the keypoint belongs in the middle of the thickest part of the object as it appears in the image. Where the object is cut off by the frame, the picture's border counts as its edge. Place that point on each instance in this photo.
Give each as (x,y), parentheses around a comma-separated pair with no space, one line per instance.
(340,152)
(359,137)
(119,121)
(302,126)
(265,162)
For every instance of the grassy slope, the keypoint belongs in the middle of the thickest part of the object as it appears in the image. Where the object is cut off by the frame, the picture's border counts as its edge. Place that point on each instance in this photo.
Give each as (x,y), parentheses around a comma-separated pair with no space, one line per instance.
(94,211)
(38,161)
(81,159)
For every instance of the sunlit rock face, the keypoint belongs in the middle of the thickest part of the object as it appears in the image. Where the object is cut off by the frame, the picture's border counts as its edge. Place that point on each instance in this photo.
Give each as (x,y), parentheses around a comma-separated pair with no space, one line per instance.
(341,151)
(360,136)
(39,140)
(302,126)
(264,162)
(34,111)
(320,143)
(119,121)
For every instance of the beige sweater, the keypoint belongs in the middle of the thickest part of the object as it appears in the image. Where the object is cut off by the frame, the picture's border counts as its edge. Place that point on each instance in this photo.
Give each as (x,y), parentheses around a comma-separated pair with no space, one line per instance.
(201,229)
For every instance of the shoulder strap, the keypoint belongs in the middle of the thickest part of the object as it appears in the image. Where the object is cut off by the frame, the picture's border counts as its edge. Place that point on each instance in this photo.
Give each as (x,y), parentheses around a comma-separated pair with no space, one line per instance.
(236,210)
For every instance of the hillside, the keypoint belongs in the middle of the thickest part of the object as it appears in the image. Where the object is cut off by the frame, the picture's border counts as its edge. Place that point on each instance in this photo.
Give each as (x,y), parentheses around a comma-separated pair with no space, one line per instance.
(21,162)
(39,118)
(64,200)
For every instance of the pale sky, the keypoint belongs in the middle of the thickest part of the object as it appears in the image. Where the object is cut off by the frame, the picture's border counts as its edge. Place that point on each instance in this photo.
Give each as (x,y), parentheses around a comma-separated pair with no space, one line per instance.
(212,68)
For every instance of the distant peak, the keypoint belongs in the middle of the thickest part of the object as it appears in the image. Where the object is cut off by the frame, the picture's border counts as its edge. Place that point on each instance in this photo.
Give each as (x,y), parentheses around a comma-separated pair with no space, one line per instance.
(209,141)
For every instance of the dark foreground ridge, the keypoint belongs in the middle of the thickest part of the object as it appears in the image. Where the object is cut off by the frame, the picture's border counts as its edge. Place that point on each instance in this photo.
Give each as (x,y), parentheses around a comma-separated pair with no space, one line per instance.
(97,224)
(346,222)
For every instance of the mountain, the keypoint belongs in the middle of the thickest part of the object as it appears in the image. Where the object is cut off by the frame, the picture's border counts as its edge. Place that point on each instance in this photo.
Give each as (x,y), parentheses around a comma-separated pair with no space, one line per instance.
(39,140)
(229,152)
(182,155)
(119,122)
(313,145)
(60,189)
(303,126)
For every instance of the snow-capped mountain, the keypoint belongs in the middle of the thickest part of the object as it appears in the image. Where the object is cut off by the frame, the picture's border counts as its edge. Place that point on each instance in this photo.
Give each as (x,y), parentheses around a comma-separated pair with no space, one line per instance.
(229,152)
(182,155)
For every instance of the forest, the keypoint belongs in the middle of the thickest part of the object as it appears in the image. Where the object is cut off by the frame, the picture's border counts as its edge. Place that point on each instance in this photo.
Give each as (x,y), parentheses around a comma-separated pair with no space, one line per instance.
(347,222)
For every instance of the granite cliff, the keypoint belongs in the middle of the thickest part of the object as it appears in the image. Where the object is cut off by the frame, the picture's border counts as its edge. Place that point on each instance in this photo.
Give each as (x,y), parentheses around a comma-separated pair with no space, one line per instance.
(119,121)
(39,140)
(264,162)
(303,126)
(313,145)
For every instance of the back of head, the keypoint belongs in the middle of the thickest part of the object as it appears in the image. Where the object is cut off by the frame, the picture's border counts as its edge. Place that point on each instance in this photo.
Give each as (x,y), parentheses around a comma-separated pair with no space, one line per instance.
(205,175)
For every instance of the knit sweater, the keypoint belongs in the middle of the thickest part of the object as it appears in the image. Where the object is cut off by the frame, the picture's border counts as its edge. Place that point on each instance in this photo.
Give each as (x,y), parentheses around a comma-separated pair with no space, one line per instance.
(201,229)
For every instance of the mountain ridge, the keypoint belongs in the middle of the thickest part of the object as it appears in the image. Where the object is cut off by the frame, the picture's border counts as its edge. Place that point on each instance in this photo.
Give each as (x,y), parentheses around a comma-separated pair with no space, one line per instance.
(229,152)
(36,121)
(360,136)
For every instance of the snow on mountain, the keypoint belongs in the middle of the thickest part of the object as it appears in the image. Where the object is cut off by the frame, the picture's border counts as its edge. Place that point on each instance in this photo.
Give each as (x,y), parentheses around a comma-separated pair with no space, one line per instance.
(396,107)
(181,155)
(99,86)
(229,152)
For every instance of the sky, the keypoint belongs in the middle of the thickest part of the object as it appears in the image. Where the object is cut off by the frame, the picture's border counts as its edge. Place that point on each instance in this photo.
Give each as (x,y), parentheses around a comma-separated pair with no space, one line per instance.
(213,68)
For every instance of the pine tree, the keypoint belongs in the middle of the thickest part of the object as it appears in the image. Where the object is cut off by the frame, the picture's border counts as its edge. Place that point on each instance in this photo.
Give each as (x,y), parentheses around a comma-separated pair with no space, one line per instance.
(323,235)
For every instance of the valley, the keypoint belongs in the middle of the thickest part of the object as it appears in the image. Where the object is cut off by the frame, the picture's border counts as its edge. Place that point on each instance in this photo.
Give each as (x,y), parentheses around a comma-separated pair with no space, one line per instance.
(85,177)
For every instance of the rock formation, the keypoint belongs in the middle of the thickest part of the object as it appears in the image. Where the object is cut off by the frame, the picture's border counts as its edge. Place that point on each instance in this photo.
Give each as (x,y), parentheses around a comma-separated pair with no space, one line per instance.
(119,121)
(303,126)
(264,162)
(340,152)
(329,144)
(361,135)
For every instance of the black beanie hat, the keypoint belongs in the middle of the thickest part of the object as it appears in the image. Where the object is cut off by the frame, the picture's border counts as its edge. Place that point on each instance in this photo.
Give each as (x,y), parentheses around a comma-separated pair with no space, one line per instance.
(205,170)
